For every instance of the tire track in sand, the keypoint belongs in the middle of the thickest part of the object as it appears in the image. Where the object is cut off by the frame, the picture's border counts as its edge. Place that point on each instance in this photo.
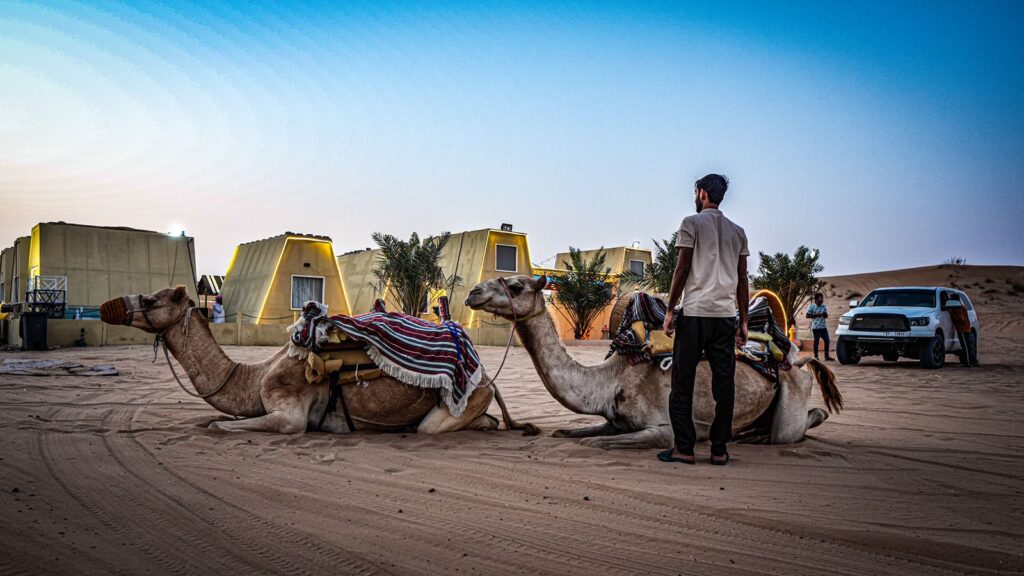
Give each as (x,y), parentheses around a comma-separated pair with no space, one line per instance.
(269,545)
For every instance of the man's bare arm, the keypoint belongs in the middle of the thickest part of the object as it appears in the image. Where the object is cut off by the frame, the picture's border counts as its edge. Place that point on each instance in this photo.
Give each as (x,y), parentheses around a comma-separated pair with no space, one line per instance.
(679,276)
(742,300)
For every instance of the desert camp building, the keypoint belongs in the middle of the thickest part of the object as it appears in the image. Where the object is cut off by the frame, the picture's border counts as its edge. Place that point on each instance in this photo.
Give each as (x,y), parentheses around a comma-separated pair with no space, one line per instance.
(93,264)
(620,259)
(6,274)
(269,280)
(14,270)
(474,256)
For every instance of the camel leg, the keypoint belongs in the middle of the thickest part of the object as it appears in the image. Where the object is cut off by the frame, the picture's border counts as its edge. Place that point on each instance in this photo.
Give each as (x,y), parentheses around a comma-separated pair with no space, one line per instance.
(287,412)
(651,437)
(815,416)
(439,419)
(603,429)
(292,421)
(484,423)
(527,428)
(791,415)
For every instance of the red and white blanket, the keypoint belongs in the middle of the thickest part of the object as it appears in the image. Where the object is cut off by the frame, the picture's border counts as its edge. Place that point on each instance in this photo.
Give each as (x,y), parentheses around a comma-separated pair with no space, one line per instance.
(409,349)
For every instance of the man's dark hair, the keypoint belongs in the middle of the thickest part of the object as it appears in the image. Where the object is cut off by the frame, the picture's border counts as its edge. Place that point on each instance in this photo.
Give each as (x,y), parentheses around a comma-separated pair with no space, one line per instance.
(715,185)
(817,294)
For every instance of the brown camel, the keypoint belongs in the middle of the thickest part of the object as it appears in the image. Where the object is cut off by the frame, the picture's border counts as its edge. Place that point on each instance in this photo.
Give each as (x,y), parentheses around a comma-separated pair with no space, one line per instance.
(634,399)
(274,396)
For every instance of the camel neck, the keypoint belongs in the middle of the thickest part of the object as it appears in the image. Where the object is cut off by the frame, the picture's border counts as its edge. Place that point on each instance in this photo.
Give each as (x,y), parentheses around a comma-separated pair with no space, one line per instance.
(208,366)
(582,389)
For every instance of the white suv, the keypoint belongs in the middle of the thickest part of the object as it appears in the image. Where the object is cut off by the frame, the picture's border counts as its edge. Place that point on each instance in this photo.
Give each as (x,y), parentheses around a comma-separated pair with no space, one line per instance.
(912,322)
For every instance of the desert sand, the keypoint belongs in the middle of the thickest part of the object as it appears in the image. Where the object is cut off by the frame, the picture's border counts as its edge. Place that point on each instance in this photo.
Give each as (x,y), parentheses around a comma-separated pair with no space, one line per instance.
(923,473)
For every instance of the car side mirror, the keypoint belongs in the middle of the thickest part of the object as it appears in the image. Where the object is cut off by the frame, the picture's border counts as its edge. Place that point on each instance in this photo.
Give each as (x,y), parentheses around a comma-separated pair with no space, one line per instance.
(854,303)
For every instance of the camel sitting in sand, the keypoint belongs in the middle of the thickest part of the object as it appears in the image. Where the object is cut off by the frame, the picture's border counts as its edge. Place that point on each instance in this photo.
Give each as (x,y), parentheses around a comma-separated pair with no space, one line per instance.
(274,395)
(634,399)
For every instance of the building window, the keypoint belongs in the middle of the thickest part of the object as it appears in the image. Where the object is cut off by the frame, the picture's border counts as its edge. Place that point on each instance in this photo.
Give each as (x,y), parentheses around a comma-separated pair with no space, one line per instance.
(306,288)
(506,258)
(636,267)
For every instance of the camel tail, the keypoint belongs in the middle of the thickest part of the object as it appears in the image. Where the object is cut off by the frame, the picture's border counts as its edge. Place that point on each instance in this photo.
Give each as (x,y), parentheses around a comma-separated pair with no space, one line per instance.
(827,382)
(527,428)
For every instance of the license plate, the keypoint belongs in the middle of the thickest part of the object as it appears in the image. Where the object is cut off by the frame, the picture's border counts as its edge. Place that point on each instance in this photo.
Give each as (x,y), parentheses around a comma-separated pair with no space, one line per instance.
(896,334)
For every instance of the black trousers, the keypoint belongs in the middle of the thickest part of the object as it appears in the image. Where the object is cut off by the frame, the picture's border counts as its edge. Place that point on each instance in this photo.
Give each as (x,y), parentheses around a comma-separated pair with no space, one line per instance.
(820,334)
(695,337)
(968,346)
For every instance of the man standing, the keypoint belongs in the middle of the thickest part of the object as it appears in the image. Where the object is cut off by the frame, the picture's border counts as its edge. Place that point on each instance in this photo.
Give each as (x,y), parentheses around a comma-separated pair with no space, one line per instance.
(818,313)
(962,325)
(218,310)
(711,274)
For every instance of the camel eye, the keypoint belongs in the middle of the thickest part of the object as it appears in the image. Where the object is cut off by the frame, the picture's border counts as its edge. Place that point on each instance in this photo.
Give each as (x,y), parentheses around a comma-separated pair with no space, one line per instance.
(148,301)
(515,288)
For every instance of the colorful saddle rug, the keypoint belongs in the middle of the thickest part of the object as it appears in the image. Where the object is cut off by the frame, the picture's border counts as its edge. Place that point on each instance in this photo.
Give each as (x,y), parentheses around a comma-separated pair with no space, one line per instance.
(410,350)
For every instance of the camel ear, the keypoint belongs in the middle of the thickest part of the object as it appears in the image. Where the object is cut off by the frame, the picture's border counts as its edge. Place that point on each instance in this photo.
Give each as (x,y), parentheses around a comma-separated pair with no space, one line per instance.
(180,293)
(540,283)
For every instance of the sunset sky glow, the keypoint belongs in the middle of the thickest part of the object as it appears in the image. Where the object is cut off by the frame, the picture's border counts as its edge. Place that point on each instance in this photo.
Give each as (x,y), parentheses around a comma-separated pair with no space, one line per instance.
(887,134)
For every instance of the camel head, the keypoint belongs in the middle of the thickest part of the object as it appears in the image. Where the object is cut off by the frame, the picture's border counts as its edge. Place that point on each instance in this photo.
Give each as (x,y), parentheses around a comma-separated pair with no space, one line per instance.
(527,297)
(153,313)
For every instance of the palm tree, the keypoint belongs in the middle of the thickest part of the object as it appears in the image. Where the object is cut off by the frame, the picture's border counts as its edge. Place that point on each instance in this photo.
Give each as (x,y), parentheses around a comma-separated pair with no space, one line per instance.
(794,279)
(657,277)
(584,290)
(408,271)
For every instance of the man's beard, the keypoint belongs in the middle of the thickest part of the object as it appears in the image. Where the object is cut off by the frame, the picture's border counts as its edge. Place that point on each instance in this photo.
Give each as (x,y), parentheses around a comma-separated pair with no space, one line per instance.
(699,204)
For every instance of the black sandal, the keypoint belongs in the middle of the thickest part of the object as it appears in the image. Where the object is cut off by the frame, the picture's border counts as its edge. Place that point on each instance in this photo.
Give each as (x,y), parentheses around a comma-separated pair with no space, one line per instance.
(719,462)
(666,456)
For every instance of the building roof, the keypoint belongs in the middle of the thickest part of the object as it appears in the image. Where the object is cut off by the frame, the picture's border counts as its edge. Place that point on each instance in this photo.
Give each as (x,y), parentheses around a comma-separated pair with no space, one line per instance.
(121,228)
(290,234)
(210,284)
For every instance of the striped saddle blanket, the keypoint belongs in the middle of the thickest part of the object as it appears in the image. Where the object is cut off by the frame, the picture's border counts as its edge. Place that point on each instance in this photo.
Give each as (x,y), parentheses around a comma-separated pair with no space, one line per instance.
(409,349)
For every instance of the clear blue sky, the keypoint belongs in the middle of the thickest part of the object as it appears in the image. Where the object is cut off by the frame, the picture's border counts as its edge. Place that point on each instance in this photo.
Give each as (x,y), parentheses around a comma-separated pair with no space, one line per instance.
(887,134)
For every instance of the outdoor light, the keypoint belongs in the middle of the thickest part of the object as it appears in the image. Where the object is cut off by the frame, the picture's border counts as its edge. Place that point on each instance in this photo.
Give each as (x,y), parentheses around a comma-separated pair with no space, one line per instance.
(176,230)
(636,244)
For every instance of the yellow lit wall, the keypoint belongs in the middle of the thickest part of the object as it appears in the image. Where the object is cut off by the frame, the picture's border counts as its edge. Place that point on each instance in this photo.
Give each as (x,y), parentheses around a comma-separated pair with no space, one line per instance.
(258,284)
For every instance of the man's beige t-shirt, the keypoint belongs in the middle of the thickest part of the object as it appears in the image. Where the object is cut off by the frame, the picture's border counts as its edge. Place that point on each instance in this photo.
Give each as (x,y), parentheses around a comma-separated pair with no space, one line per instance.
(717,243)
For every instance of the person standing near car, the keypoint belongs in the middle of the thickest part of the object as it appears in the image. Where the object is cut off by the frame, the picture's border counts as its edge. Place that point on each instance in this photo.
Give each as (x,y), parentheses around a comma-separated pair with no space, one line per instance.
(962,325)
(818,313)
(711,276)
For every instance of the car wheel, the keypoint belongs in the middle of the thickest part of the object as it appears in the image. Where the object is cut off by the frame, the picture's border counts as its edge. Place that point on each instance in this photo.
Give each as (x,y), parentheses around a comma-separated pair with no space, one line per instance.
(933,352)
(890,356)
(846,352)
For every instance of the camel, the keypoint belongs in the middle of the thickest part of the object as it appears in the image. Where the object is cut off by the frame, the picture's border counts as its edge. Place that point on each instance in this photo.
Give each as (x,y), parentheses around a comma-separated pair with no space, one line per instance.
(274,396)
(634,399)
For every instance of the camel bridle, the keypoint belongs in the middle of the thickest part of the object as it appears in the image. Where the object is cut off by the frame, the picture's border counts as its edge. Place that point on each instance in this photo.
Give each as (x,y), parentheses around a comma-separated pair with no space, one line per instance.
(515,320)
(132,308)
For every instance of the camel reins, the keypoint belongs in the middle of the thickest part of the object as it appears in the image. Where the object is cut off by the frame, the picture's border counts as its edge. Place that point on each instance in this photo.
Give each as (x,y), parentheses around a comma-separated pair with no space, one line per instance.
(512,332)
(186,316)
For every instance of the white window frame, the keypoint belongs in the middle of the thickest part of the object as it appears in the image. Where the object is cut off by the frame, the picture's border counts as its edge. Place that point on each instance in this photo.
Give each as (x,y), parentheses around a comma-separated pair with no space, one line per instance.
(496,269)
(642,263)
(291,288)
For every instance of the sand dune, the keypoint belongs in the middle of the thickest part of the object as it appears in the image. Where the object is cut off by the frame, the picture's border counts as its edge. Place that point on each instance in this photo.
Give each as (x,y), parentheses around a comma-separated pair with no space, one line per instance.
(991,289)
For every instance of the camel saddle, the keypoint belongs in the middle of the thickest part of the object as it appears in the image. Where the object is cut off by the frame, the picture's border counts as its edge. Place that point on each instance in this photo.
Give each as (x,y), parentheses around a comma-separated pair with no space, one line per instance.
(641,339)
(344,355)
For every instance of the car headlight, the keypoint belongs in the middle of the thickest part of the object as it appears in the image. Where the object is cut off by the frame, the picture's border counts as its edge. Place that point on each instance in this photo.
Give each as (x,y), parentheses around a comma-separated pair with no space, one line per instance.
(845,320)
(922,321)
